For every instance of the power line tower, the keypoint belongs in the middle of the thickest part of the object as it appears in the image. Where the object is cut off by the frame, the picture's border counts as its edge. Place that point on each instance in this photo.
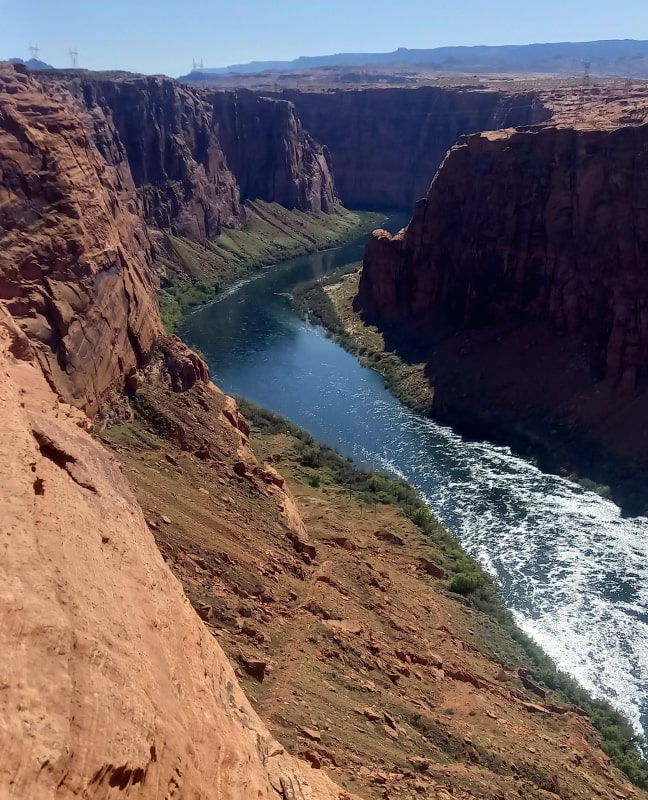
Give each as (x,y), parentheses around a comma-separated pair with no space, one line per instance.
(585,86)
(197,65)
(74,57)
(34,50)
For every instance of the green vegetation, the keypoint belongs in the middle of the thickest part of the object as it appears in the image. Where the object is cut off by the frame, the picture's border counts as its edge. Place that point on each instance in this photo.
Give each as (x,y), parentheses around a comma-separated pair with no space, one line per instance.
(497,632)
(195,272)
(406,382)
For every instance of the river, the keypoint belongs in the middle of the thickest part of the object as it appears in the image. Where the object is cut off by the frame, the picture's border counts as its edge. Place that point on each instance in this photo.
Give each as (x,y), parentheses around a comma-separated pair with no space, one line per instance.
(572,570)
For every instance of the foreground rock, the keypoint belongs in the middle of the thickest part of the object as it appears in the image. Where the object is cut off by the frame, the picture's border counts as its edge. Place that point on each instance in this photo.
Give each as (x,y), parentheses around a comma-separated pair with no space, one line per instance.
(355,655)
(110,682)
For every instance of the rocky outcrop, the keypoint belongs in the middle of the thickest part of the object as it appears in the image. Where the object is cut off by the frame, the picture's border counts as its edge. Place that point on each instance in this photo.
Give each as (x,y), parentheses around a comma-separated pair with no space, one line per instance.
(530,225)
(165,131)
(74,253)
(111,684)
(195,155)
(271,154)
(385,143)
(531,245)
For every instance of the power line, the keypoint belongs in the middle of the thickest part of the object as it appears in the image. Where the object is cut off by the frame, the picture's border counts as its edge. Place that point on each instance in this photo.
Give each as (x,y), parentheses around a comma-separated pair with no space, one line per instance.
(74,57)
(197,65)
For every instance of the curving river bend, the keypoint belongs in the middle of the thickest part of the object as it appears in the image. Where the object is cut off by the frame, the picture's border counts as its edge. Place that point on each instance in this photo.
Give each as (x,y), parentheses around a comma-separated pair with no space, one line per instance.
(574,572)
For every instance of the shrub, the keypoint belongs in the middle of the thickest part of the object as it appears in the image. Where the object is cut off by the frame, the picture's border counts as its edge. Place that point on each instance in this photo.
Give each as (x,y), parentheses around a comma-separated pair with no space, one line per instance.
(464,584)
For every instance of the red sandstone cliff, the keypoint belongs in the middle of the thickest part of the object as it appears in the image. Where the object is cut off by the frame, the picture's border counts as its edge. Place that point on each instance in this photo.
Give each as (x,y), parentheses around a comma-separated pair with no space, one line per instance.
(271,154)
(74,252)
(194,155)
(86,164)
(385,143)
(530,249)
(165,131)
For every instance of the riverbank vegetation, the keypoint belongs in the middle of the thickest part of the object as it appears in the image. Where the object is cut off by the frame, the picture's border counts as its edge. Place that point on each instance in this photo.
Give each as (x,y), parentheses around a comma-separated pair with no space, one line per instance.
(497,632)
(329,302)
(194,272)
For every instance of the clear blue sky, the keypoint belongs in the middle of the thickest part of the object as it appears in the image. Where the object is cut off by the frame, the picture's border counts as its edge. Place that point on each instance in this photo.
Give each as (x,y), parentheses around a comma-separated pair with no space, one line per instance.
(165,36)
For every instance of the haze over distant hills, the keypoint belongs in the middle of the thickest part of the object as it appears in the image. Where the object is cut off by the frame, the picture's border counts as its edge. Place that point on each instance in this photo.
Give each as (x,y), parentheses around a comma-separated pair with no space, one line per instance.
(32,63)
(617,57)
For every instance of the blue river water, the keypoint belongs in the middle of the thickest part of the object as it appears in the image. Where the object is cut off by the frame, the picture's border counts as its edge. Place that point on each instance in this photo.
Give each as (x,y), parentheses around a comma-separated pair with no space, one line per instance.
(572,570)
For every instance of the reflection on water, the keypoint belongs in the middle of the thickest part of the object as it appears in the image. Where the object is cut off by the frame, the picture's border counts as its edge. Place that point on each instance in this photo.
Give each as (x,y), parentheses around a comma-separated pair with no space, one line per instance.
(571,569)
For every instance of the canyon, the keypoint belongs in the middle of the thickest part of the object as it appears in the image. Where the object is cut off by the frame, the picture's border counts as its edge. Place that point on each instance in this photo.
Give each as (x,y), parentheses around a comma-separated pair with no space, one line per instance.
(127,477)
(386,143)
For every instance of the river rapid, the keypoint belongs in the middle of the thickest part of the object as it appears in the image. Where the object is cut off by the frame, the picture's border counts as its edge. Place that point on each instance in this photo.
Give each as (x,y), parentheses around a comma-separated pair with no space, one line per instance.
(571,569)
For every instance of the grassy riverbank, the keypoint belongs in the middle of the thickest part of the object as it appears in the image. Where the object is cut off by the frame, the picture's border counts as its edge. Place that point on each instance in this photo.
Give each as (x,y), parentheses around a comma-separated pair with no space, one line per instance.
(552,445)
(496,631)
(194,272)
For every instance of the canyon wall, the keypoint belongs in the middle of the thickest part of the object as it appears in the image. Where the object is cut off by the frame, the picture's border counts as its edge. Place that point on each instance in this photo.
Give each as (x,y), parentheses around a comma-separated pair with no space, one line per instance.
(87,165)
(271,154)
(386,143)
(195,156)
(111,684)
(165,132)
(75,258)
(531,247)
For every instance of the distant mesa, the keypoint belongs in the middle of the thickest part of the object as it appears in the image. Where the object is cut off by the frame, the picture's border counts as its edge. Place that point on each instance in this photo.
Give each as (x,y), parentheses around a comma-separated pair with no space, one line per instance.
(32,63)
(614,57)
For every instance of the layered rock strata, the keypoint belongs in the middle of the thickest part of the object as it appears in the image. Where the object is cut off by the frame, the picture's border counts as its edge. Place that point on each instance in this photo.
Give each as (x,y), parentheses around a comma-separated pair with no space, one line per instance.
(385,143)
(74,251)
(166,133)
(195,155)
(271,154)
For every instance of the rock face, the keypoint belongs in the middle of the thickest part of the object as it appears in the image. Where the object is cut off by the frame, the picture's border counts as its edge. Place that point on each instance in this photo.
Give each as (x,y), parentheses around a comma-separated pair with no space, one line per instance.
(111,683)
(270,153)
(194,155)
(74,252)
(536,225)
(178,166)
(86,164)
(386,143)
(531,244)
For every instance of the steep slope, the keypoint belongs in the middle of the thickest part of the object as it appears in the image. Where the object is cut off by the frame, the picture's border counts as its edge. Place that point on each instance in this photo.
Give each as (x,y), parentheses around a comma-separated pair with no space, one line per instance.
(87,165)
(177,163)
(346,639)
(74,252)
(386,143)
(531,244)
(111,685)
(273,157)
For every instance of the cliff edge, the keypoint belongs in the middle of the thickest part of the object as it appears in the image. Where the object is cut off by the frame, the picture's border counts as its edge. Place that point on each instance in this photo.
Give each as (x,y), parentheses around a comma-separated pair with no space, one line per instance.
(111,684)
